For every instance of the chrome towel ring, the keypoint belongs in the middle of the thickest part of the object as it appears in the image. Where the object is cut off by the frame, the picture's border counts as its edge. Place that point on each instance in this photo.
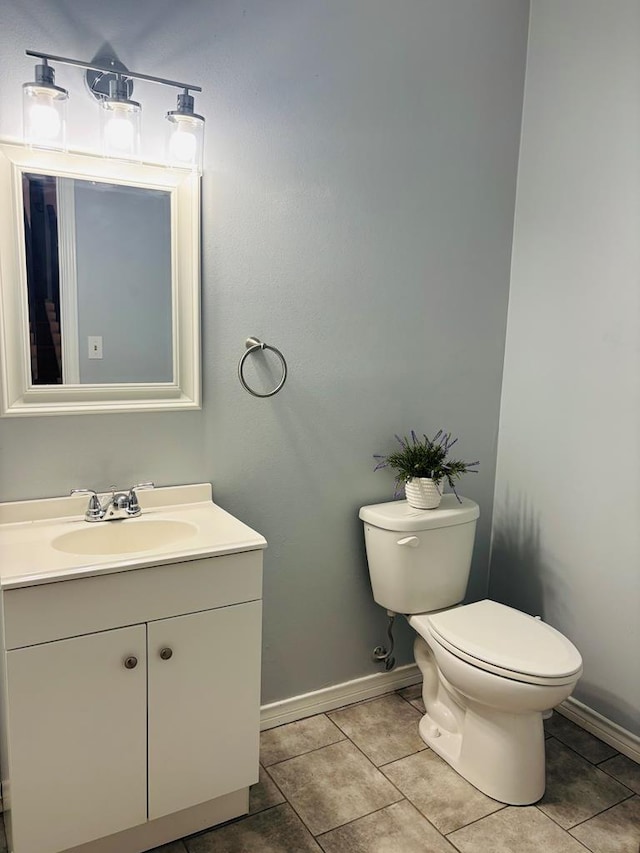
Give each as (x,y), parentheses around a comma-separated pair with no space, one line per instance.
(253,344)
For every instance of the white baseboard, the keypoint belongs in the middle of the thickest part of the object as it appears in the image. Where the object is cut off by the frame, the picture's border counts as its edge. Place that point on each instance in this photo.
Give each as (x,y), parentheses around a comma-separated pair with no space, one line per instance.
(617,737)
(329,698)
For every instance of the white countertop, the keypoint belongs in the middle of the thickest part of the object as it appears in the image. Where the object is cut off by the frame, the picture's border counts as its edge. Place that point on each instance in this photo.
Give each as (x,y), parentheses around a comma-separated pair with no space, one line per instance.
(27,529)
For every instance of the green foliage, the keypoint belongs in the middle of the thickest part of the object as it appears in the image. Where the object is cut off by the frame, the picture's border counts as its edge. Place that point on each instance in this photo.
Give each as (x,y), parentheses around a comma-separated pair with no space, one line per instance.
(425,457)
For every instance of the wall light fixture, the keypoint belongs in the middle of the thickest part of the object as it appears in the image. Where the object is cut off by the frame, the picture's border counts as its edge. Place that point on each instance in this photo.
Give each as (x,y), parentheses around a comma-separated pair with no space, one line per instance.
(185,140)
(120,117)
(44,108)
(120,121)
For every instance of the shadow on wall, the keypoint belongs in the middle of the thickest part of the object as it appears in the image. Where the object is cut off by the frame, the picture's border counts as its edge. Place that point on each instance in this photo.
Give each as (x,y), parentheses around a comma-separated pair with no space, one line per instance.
(516,571)
(609,705)
(523,573)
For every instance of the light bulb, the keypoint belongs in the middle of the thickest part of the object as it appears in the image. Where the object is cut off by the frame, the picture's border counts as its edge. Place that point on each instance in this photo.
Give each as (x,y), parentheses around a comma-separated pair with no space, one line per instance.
(45,121)
(182,146)
(120,122)
(119,134)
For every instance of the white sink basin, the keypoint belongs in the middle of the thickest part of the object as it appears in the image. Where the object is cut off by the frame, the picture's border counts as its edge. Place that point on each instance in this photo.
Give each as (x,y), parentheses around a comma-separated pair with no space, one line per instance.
(48,540)
(124,537)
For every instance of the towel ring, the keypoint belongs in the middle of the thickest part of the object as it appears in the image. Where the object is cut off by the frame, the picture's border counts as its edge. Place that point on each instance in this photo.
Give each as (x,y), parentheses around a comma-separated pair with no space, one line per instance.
(252,344)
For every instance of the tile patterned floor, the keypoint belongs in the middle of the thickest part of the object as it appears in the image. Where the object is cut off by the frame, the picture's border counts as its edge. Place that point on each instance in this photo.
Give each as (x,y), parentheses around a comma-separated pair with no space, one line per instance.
(360,780)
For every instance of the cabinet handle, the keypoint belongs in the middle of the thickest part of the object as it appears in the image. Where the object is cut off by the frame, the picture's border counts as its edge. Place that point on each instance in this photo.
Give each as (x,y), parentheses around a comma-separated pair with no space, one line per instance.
(166,653)
(131,662)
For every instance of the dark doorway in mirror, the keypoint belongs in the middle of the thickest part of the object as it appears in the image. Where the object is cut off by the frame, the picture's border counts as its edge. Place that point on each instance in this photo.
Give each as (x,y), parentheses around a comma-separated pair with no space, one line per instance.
(43,278)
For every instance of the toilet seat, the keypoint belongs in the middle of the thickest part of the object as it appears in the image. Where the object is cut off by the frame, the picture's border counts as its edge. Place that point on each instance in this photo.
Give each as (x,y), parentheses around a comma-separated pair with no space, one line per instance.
(504,641)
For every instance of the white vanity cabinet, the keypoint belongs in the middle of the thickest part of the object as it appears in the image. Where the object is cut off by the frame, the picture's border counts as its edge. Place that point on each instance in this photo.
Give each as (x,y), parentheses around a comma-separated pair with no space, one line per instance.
(76,738)
(204,705)
(131,704)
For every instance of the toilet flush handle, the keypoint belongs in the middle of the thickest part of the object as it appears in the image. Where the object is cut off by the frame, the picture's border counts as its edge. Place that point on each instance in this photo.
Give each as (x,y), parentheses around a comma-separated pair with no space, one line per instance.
(411,541)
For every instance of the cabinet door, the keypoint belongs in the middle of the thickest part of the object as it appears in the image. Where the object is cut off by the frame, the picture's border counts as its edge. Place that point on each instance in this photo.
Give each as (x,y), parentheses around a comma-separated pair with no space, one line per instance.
(76,739)
(204,705)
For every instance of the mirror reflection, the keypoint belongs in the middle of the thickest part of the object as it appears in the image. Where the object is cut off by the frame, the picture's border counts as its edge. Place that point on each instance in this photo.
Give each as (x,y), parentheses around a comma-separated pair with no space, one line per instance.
(99,280)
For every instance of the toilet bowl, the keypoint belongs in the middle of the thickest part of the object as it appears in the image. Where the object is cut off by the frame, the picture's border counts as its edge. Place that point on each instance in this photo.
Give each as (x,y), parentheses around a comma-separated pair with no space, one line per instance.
(489,671)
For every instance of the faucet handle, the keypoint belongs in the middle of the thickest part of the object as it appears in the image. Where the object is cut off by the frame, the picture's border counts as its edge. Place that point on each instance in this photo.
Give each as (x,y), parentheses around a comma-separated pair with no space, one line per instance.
(85,492)
(134,506)
(142,486)
(94,510)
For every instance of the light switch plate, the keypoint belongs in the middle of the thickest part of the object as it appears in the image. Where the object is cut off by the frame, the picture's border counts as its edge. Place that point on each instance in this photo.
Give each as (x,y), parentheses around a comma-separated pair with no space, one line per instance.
(95,346)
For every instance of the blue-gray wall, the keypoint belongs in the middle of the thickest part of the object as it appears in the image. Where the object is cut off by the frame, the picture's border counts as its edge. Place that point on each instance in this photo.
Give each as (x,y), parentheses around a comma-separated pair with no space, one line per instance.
(358,204)
(567,540)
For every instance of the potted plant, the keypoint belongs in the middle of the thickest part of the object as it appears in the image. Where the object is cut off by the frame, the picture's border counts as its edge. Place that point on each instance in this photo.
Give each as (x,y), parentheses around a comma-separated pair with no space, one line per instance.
(422,466)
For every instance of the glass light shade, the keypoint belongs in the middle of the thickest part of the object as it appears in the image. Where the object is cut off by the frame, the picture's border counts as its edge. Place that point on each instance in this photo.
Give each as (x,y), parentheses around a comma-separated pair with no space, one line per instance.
(44,115)
(120,129)
(185,140)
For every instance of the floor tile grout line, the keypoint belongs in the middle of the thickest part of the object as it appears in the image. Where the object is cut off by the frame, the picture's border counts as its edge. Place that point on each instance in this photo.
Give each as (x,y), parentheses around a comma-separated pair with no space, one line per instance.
(385,763)
(616,779)
(568,829)
(604,811)
(361,751)
(577,752)
(364,701)
(307,752)
(408,755)
(360,817)
(370,699)
(293,808)
(410,701)
(506,806)
(375,766)
(591,763)
(406,797)
(631,792)
(285,802)
(552,818)
(275,785)
(345,736)
(608,758)
(366,757)
(403,798)
(503,806)
(582,844)
(297,814)
(379,769)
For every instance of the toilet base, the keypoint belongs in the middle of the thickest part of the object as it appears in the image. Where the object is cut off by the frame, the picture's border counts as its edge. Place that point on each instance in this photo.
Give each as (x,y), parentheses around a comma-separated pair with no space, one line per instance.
(501,755)
(500,752)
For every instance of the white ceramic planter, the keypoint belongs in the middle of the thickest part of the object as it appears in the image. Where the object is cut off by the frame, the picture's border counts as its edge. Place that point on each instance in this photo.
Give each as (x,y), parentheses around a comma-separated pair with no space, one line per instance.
(423,492)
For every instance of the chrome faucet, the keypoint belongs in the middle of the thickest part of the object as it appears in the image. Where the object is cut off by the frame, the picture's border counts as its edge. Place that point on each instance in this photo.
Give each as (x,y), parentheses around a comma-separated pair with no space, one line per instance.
(117,505)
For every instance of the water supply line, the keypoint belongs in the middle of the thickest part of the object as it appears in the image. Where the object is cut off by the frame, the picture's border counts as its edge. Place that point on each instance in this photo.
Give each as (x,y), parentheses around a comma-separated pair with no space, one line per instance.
(383,655)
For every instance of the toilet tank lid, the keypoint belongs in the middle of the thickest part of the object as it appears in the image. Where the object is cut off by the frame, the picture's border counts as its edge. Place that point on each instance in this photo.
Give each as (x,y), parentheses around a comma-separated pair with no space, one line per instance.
(399,516)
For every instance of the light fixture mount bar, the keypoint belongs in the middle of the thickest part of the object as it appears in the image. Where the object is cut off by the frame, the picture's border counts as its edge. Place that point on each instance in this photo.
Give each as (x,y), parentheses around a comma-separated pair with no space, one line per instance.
(106,68)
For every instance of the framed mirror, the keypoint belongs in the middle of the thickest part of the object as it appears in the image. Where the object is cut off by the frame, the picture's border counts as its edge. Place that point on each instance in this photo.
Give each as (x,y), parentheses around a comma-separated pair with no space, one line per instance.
(99,284)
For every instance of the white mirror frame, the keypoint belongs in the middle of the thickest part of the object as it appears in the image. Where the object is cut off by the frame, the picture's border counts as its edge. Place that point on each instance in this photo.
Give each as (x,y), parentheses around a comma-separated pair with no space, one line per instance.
(19,397)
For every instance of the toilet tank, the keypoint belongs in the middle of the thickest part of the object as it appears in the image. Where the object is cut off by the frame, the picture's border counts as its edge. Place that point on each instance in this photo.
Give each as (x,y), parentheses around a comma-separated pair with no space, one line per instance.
(419,559)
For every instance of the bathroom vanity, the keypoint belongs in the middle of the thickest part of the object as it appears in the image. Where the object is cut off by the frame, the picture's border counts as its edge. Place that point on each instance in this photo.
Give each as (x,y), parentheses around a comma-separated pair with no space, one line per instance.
(130,672)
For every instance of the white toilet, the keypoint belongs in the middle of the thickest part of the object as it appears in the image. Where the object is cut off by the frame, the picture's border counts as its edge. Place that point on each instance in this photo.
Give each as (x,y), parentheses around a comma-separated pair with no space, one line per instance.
(489,671)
